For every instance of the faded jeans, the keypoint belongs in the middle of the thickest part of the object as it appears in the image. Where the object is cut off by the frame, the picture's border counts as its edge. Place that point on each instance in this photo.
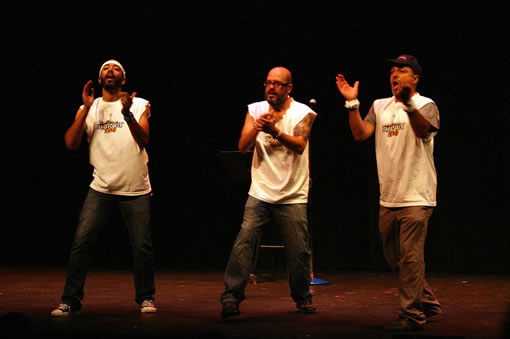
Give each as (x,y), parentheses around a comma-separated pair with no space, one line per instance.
(95,215)
(292,223)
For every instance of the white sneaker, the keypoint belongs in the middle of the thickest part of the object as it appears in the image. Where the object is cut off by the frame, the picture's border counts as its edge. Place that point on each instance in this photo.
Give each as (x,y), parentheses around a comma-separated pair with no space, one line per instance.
(64,310)
(148,306)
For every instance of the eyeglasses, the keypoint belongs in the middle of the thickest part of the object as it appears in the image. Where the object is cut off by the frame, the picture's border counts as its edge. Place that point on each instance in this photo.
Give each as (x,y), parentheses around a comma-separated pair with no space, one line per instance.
(275,84)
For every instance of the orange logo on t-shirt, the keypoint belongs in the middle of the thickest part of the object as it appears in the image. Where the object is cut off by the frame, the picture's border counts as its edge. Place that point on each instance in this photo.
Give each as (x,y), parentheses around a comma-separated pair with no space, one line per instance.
(109,126)
(393,129)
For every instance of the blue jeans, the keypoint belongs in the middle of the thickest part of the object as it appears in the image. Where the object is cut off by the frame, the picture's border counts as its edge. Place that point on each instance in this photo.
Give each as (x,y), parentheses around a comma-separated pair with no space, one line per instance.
(94,216)
(292,222)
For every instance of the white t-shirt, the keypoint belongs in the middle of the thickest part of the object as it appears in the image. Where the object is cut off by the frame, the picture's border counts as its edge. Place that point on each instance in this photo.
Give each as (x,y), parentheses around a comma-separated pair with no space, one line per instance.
(120,165)
(405,163)
(279,175)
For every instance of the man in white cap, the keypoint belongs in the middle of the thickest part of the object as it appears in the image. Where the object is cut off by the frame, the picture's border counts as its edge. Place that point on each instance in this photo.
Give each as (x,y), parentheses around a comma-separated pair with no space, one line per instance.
(404,126)
(117,128)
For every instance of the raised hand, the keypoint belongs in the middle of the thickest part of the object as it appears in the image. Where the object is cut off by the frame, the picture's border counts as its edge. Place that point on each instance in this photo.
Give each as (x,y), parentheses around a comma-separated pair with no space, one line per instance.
(349,92)
(127,101)
(88,94)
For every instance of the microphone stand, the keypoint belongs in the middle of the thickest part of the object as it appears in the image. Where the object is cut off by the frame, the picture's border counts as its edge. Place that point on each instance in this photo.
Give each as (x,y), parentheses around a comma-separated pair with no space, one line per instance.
(314,281)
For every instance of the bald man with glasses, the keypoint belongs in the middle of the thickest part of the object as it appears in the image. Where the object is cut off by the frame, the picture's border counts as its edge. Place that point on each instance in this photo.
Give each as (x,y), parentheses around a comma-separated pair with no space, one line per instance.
(277,129)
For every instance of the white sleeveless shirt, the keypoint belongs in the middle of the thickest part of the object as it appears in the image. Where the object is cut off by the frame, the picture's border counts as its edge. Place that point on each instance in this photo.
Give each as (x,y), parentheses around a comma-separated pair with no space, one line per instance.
(120,165)
(279,175)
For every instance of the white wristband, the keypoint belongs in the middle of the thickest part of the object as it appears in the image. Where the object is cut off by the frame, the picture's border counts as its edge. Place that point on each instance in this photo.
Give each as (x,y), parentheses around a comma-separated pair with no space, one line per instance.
(352,104)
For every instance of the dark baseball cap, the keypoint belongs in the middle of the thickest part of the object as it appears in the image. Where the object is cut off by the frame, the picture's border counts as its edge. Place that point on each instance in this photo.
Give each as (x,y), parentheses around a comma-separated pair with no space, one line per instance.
(406,60)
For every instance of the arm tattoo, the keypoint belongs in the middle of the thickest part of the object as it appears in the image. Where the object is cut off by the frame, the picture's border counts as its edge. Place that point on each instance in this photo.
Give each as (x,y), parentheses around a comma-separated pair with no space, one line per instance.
(304,127)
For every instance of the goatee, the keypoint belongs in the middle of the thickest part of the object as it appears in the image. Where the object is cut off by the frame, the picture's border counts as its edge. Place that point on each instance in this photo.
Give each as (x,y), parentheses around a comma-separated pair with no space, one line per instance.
(277,101)
(112,86)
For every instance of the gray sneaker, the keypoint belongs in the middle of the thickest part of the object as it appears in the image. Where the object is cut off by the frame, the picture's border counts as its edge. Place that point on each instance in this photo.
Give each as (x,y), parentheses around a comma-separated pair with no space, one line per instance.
(148,306)
(64,310)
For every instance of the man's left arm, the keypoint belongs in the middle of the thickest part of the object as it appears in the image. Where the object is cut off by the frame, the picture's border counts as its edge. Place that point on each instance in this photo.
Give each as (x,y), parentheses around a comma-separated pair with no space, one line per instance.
(296,142)
(424,120)
(139,129)
(420,125)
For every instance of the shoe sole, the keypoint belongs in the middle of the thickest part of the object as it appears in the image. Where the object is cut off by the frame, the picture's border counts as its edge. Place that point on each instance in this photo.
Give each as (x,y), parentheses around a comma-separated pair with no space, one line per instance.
(230,311)
(64,314)
(152,310)
(229,315)
(307,309)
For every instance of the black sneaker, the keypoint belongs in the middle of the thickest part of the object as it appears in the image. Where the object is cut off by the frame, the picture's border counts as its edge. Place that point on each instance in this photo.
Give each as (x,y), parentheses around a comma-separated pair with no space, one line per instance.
(307,307)
(403,324)
(432,312)
(64,310)
(230,309)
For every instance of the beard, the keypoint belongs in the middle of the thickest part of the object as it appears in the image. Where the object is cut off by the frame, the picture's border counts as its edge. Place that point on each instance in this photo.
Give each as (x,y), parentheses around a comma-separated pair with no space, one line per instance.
(277,100)
(111,86)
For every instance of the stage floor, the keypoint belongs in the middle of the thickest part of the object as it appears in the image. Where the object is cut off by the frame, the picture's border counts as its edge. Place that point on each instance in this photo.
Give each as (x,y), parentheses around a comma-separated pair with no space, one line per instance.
(352,305)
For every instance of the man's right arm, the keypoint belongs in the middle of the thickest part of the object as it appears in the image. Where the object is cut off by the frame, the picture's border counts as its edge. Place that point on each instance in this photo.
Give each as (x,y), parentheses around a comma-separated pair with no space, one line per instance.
(361,129)
(74,134)
(248,134)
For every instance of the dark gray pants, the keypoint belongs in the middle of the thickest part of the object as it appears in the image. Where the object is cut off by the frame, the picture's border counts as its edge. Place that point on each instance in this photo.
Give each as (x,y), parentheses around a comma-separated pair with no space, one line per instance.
(403,232)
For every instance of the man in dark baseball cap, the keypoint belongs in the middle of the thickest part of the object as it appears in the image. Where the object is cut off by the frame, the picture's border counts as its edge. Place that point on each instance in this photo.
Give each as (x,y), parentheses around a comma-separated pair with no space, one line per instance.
(406,60)
(404,126)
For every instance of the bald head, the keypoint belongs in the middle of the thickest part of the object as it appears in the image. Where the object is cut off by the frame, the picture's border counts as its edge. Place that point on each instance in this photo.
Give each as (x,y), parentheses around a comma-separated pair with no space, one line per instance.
(278,86)
(280,73)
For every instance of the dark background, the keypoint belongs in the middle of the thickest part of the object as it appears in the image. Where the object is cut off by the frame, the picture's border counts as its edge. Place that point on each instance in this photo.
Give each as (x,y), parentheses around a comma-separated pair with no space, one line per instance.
(200,63)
